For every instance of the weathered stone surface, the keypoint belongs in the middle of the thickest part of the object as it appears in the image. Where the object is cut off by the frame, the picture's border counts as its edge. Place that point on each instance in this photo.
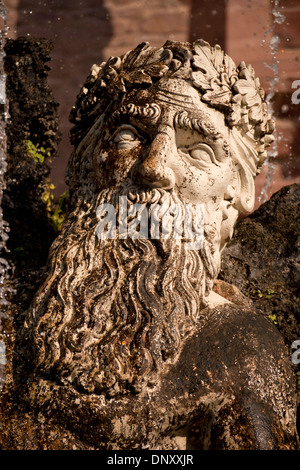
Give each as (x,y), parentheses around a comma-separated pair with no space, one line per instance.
(262,260)
(131,341)
(210,367)
(32,140)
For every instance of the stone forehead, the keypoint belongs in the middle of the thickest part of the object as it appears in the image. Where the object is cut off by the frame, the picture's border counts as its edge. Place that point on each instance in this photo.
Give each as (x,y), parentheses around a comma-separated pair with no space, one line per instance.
(172,102)
(176,92)
(173,96)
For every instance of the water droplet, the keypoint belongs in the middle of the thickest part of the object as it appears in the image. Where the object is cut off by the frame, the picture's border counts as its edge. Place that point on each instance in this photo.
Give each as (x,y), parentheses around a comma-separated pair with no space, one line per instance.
(284,108)
(278,17)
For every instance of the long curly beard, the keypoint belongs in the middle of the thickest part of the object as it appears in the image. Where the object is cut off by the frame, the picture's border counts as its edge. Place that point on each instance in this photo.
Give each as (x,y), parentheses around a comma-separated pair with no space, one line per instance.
(112,312)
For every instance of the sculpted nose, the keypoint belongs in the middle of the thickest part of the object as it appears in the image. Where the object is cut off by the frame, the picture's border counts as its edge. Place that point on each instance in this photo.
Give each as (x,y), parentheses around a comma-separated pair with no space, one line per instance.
(154,170)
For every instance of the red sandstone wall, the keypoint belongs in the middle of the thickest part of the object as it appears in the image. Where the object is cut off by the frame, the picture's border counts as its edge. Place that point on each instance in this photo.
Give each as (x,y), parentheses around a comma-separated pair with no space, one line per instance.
(90,31)
(250,29)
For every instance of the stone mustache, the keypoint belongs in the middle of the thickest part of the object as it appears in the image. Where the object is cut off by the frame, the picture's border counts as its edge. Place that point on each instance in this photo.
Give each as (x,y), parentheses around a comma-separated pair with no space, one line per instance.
(128,345)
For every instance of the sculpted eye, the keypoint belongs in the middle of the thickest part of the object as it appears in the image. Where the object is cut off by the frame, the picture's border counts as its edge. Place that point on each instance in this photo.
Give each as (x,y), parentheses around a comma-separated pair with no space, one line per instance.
(126,137)
(199,155)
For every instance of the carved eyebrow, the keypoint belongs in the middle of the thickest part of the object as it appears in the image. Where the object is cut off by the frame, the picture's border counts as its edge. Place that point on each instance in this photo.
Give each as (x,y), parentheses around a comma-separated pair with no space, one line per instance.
(202,124)
(148,113)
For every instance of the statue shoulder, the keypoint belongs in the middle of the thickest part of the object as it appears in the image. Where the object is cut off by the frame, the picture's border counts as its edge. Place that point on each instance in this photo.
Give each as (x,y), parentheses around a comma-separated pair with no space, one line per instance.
(219,352)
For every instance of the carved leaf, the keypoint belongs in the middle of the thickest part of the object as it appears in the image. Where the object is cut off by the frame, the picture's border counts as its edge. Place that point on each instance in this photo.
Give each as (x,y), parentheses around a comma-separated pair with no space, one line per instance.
(203,61)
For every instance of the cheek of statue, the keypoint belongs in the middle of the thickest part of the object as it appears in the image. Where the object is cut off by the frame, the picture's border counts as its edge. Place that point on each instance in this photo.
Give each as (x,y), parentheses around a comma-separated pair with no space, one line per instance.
(113,166)
(200,178)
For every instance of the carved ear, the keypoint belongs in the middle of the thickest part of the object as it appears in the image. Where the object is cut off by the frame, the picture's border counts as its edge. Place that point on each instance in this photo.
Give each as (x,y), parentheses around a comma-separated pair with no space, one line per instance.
(229,217)
(246,198)
(245,158)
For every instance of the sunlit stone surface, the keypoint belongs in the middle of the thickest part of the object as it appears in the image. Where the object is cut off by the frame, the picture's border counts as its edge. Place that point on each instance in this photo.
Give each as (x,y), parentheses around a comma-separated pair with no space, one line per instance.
(126,343)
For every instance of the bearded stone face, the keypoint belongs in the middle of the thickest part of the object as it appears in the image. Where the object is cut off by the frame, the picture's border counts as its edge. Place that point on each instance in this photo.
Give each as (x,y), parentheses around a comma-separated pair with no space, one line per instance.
(166,138)
(126,344)
(113,311)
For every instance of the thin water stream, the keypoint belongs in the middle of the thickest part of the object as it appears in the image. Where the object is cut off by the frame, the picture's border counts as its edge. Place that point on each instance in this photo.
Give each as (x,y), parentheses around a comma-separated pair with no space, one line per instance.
(4,228)
(273,43)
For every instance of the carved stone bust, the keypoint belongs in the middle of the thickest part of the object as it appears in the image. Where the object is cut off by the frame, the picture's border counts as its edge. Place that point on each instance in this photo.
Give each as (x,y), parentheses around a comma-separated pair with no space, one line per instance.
(127,344)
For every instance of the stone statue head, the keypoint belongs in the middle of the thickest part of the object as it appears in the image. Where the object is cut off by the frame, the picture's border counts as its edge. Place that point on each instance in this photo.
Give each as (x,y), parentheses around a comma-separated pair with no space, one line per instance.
(204,93)
(181,125)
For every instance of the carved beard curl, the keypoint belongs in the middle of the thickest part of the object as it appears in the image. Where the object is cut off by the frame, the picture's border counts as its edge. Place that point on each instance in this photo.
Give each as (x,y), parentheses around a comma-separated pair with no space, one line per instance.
(111,313)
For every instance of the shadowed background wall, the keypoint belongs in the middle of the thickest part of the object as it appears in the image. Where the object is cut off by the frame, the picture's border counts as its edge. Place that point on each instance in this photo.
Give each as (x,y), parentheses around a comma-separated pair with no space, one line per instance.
(264,33)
